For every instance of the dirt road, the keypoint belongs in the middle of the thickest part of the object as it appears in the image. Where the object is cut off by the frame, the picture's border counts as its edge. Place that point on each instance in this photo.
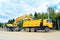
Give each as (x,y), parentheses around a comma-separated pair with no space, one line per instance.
(55,35)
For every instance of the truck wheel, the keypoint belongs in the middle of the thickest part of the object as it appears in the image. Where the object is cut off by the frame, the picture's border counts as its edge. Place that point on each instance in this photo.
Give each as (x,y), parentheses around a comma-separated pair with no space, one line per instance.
(47,29)
(35,30)
(29,29)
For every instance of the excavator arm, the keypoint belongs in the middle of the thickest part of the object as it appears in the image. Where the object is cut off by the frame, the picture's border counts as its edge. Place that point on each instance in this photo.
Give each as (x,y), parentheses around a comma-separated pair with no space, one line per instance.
(20,18)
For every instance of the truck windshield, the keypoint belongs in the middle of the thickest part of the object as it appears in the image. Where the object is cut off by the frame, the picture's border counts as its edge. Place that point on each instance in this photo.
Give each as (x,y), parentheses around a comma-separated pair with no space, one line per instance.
(49,21)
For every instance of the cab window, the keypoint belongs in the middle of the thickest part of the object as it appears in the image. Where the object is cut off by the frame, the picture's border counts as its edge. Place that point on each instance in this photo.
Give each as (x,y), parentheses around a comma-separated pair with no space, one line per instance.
(49,21)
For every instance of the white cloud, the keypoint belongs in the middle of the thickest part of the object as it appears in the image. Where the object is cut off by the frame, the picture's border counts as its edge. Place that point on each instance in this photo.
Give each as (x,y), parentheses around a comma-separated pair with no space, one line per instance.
(40,7)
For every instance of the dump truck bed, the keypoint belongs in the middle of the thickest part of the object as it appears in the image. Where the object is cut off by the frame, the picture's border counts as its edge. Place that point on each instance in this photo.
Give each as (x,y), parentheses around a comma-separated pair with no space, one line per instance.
(32,23)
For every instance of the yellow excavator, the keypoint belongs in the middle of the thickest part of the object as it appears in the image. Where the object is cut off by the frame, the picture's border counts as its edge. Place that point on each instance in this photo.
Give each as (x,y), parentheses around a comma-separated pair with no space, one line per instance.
(31,25)
(12,27)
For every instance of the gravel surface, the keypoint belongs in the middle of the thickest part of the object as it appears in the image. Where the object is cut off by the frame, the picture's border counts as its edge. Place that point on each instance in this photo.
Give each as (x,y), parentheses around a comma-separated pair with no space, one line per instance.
(52,35)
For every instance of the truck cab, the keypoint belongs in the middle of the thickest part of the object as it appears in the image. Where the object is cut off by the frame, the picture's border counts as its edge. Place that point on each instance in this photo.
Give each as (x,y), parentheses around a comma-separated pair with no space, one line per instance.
(47,22)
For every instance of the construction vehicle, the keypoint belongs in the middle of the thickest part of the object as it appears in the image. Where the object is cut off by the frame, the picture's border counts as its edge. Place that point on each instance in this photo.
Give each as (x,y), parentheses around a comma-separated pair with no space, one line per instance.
(12,27)
(40,24)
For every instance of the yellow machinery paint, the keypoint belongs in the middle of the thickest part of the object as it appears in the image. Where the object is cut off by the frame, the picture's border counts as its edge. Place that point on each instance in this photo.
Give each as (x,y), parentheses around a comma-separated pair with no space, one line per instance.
(37,23)
(32,23)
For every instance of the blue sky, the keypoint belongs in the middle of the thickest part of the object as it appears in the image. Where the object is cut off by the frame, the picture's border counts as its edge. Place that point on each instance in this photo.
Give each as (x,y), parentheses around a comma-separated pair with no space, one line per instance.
(10,9)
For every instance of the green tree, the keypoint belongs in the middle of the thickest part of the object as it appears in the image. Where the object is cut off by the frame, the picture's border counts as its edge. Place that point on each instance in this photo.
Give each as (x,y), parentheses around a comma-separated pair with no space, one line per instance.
(20,24)
(51,12)
(1,25)
(35,15)
(11,21)
(57,21)
(31,15)
(39,15)
(45,15)
(42,16)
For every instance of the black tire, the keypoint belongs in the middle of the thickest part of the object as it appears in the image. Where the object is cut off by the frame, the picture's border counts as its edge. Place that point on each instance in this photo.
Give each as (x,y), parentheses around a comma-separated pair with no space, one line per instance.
(35,30)
(29,29)
(19,30)
(46,29)
(12,29)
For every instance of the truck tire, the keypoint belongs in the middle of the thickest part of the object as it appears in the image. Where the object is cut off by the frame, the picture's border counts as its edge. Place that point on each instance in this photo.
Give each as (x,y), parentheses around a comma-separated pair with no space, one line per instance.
(29,29)
(35,30)
(46,29)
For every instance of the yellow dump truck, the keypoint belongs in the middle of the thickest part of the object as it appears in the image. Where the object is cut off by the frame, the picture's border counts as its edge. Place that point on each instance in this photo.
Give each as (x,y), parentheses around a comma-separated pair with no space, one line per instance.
(41,24)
